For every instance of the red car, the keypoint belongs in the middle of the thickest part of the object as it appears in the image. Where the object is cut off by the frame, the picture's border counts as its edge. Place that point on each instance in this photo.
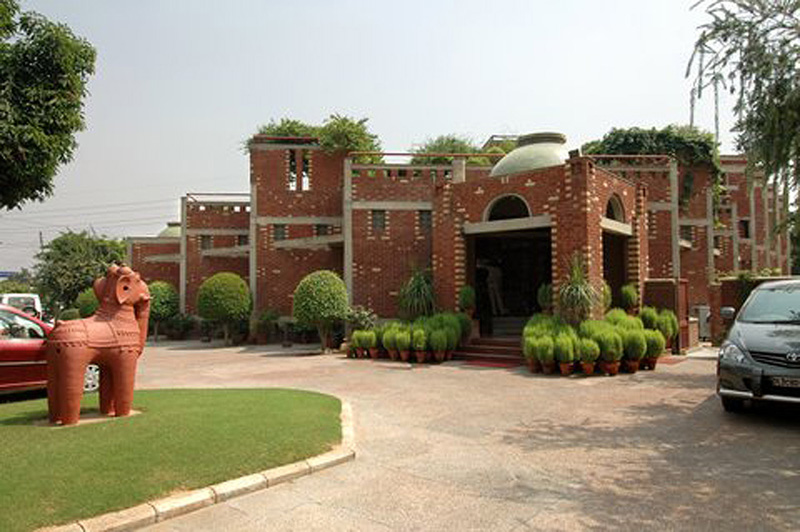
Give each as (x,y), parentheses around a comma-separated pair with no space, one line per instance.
(23,364)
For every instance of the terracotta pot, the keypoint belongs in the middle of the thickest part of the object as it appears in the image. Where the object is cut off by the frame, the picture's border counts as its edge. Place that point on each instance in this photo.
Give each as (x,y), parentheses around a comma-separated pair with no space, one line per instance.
(534,365)
(405,355)
(448,355)
(548,367)
(374,353)
(610,368)
(393,354)
(420,356)
(566,368)
(441,356)
(631,366)
(588,368)
(649,363)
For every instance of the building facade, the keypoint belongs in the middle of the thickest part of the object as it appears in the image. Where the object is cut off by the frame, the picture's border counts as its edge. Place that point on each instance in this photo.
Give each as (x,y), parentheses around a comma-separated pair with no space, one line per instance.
(630,219)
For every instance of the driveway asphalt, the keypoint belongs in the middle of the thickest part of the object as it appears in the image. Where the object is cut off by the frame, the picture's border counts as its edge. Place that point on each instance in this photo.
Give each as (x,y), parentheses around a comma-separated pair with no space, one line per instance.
(461,447)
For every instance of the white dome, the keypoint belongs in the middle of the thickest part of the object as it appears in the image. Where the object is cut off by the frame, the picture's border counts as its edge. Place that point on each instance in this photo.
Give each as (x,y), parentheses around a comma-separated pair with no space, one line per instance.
(537,150)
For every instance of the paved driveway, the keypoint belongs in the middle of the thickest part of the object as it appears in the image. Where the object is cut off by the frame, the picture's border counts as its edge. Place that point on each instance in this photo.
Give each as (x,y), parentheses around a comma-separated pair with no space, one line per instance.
(459,447)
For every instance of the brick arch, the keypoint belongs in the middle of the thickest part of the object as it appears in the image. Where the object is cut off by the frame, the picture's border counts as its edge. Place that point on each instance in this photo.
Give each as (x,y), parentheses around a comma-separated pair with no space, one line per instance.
(615,209)
(487,212)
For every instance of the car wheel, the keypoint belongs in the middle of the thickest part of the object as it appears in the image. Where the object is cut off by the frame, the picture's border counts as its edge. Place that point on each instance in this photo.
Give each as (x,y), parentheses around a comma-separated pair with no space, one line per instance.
(731,404)
(91,379)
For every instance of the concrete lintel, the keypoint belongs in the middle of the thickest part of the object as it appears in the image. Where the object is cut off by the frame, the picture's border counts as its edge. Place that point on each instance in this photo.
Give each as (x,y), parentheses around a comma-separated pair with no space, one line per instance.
(153,239)
(299,220)
(616,227)
(166,257)
(733,168)
(659,206)
(685,244)
(633,168)
(216,232)
(232,251)
(393,205)
(695,222)
(514,224)
(309,242)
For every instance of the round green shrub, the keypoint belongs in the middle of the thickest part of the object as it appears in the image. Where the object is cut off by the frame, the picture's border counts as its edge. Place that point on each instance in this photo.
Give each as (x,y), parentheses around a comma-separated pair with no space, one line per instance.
(529,347)
(563,349)
(320,300)
(631,322)
(420,340)
(87,303)
(69,314)
(630,297)
(544,349)
(390,339)
(439,340)
(588,350)
(452,337)
(465,325)
(224,298)
(163,303)
(616,316)
(370,340)
(466,298)
(544,296)
(649,317)
(667,323)
(611,346)
(605,295)
(655,343)
(635,344)
(403,340)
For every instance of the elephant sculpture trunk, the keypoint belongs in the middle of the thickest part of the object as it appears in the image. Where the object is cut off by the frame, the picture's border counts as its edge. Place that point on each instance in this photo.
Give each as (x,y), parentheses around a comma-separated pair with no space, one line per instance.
(113,338)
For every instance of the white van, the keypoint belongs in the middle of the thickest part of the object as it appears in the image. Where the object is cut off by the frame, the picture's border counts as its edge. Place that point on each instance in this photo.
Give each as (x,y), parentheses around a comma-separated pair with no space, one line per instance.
(24,302)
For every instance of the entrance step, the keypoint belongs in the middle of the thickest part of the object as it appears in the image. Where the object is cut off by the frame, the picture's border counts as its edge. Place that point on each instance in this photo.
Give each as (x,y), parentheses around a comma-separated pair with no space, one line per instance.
(508,325)
(499,350)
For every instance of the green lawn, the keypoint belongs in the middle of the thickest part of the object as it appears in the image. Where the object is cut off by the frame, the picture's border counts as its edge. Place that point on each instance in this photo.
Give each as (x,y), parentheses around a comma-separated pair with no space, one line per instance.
(183,439)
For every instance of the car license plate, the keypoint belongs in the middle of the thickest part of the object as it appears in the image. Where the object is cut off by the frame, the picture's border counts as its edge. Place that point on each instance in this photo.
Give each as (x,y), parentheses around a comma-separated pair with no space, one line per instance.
(786,382)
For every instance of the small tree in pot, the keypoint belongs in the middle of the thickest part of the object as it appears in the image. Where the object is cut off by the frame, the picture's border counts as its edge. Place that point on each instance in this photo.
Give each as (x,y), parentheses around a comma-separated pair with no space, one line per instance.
(320,300)
(439,341)
(389,342)
(544,354)
(544,297)
(635,347)
(466,300)
(224,298)
(564,353)
(403,339)
(371,341)
(611,350)
(630,298)
(655,348)
(163,304)
(667,323)
(589,352)
(420,342)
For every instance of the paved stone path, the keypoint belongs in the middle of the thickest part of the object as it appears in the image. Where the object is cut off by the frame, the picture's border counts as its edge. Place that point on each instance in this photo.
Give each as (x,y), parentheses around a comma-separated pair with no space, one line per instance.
(457,447)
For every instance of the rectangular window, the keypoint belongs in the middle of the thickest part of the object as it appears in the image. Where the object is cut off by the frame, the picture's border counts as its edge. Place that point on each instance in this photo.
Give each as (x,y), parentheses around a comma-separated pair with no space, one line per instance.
(279,232)
(306,183)
(242,240)
(379,221)
(205,242)
(744,228)
(687,233)
(425,221)
(717,242)
(292,177)
(322,229)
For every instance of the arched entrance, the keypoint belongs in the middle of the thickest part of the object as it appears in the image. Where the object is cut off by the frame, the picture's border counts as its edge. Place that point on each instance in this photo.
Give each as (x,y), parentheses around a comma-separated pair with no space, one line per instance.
(507,266)
(615,248)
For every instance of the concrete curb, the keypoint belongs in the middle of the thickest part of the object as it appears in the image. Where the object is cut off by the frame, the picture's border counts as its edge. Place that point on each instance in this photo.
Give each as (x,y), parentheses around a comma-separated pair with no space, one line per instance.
(183,503)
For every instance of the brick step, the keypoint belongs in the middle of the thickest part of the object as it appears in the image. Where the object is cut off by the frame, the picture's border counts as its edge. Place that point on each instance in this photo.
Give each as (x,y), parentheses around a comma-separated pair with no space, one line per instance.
(502,341)
(487,357)
(509,350)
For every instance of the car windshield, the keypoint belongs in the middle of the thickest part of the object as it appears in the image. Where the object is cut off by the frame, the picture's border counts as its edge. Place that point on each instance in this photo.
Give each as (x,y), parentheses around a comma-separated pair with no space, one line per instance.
(773,305)
(22,302)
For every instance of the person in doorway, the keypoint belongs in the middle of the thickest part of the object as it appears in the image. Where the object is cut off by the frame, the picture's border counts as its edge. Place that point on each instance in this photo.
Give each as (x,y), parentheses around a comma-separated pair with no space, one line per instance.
(483,301)
(495,286)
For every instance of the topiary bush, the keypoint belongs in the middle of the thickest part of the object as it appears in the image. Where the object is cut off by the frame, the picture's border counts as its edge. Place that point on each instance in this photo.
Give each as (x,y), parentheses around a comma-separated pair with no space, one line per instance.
(466,298)
(69,314)
(655,343)
(635,345)
(563,349)
(465,325)
(320,300)
(403,340)
(369,339)
(163,304)
(630,297)
(588,350)
(420,340)
(389,339)
(615,316)
(611,347)
(544,296)
(529,347)
(649,317)
(543,347)
(224,298)
(438,340)
(86,303)
(667,323)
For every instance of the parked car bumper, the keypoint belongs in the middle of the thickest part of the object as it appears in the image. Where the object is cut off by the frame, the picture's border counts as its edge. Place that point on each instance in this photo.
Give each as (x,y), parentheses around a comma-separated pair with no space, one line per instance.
(755,381)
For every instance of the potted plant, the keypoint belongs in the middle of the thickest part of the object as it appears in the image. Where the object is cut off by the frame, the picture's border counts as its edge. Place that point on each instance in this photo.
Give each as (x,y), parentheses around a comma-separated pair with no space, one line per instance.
(439,344)
(649,317)
(655,347)
(589,352)
(635,347)
(564,353)
(611,347)
(630,298)
(453,333)
(544,296)
(667,323)
(355,343)
(371,341)
(576,295)
(605,296)
(390,342)
(544,353)
(420,343)
(529,350)
(466,300)
(403,341)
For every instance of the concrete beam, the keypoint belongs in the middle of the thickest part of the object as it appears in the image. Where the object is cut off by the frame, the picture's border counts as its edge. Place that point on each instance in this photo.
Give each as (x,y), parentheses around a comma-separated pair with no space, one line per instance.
(616,227)
(216,232)
(232,251)
(154,239)
(166,257)
(299,220)
(309,242)
(514,224)
(393,205)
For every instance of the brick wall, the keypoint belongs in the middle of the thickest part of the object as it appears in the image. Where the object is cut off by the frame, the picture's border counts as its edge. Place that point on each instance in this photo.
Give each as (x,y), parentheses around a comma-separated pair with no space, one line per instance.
(156,271)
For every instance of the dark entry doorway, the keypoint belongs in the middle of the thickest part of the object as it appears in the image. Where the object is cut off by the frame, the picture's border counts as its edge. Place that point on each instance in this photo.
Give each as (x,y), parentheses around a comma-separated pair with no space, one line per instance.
(615,262)
(507,270)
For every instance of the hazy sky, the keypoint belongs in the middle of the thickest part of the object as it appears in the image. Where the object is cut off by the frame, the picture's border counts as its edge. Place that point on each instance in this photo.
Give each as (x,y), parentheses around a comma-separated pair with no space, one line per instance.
(180,84)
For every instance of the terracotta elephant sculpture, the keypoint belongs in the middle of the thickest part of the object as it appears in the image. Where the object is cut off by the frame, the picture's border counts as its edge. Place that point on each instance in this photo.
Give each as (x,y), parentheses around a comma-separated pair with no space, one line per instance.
(113,338)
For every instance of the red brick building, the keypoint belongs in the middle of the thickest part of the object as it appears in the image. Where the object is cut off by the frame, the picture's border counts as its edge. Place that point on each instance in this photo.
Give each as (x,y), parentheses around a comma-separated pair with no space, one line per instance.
(631,218)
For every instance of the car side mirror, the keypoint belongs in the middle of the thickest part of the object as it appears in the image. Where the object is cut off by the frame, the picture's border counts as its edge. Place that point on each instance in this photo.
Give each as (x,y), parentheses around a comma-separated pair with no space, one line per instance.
(727,313)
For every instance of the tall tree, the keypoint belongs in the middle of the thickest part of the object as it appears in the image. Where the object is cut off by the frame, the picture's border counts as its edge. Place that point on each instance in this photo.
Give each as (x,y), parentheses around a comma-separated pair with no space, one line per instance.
(451,143)
(752,48)
(69,264)
(44,69)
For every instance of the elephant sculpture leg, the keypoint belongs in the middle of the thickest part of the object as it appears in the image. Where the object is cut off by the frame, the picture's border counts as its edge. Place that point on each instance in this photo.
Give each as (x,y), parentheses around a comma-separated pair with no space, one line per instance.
(52,387)
(70,366)
(124,371)
(106,390)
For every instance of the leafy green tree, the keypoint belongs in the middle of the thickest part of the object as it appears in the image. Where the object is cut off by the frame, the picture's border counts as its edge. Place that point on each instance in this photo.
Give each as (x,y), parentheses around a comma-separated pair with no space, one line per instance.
(688,144)
(752,49)
(70,263)
(288,127)
(224,298)
(163,304)
(443,144)
(14,287)
(44,69)
(320,300)
(87,303)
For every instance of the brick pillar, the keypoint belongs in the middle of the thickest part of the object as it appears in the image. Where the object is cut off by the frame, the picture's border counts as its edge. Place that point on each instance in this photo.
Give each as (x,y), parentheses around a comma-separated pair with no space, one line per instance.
(637,243)
(448,256)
